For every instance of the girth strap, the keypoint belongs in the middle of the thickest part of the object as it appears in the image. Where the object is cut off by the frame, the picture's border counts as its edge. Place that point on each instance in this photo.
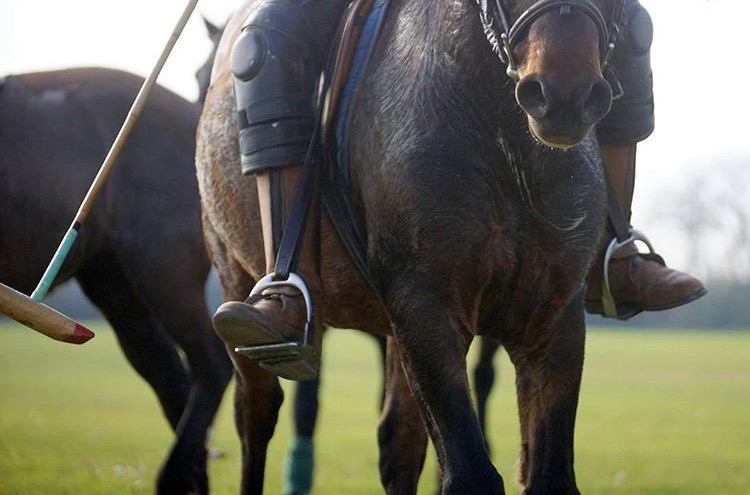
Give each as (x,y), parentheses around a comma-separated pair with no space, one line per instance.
(340,212)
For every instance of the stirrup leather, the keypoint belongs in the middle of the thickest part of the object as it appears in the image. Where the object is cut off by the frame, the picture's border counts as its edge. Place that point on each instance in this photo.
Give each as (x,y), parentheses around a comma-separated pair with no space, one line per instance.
(610,307)
(285,351)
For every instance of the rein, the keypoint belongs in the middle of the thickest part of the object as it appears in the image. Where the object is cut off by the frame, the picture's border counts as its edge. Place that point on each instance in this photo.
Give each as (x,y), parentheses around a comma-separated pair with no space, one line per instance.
(507,35)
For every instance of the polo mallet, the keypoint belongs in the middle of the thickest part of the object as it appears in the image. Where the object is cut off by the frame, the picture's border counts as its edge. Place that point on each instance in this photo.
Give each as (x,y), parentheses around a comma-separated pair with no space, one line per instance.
(30,311)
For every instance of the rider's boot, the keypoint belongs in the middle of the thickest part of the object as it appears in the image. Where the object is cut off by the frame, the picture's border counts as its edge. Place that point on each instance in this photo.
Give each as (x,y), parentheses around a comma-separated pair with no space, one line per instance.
(275,62)
(272,326)
(636,281)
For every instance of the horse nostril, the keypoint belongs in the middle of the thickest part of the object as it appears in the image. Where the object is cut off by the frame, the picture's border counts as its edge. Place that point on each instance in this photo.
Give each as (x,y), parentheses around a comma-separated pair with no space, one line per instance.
(598,103)
(531,98)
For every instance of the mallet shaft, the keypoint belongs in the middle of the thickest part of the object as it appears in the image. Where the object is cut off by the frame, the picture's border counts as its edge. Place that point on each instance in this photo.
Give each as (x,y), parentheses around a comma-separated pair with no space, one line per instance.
(109,161)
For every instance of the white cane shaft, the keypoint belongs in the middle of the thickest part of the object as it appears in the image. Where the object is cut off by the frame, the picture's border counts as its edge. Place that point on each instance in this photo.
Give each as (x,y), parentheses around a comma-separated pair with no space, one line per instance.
(132,117)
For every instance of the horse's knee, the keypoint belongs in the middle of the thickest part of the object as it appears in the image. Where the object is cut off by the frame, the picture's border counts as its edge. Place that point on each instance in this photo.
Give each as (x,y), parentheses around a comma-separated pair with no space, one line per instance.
(402,456)
(548,399)
(402,439)
(460,484)
(257,400)
(402,436)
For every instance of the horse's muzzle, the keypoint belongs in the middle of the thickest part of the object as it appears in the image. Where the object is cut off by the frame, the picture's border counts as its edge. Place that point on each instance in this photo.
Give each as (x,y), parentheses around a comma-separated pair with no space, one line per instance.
(562,115)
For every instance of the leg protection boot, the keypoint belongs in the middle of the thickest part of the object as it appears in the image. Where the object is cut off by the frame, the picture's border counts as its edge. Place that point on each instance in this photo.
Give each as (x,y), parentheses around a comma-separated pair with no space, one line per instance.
(633,281)
(275,65)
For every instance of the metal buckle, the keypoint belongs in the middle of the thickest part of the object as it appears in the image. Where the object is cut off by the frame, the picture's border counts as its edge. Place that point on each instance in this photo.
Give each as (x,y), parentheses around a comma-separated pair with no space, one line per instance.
(609,305)
(511,70)
(285,351)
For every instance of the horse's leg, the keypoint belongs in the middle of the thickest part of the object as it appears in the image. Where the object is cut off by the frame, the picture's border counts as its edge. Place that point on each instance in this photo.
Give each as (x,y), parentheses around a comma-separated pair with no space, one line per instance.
(187,321)
(147,347)
(299,463)
(548,383)
(433,344)
(484,379)
(258,394)
(257,400)
(402,436)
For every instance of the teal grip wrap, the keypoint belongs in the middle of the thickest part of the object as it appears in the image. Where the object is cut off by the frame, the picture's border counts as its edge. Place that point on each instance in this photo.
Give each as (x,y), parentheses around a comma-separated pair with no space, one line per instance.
(54,266)
(298,467)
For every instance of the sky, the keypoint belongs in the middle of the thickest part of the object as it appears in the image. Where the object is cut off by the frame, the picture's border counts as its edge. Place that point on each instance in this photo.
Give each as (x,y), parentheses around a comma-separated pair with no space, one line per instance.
(699,59)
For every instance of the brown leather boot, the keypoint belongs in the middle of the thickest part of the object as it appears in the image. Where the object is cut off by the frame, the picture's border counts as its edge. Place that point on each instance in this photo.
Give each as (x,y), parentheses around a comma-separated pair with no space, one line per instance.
(277,326)
(637,281)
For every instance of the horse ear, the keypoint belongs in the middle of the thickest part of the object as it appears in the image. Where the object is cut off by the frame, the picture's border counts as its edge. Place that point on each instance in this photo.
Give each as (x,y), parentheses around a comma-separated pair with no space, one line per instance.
(213,29)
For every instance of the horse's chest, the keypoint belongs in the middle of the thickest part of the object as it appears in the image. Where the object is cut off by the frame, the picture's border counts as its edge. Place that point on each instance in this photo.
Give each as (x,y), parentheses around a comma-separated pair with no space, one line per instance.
(556,242)
(549,243)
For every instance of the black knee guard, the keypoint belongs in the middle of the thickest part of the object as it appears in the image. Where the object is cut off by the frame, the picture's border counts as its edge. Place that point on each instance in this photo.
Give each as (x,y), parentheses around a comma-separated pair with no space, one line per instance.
(631,118)
(274,81)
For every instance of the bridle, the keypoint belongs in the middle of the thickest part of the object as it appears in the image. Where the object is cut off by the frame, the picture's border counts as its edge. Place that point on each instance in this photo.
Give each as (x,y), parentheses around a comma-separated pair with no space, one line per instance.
(505,37)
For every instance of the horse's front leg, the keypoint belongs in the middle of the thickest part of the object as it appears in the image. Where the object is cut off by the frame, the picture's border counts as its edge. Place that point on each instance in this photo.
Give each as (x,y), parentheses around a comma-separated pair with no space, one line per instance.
(548,383)
(402,436)
(433,337)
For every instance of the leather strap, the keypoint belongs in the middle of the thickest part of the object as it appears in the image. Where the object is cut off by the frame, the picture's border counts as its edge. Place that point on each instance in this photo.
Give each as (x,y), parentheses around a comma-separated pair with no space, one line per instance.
(617,220)
(340,211)
(286,258)
(615,216)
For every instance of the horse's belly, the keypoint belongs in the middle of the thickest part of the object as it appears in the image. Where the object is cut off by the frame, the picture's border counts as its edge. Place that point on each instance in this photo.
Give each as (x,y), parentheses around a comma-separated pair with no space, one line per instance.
(349,302)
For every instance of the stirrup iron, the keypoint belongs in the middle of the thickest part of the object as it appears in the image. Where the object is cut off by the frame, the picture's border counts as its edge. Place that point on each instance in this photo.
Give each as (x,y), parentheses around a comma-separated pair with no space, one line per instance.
(284,351)
(609,305)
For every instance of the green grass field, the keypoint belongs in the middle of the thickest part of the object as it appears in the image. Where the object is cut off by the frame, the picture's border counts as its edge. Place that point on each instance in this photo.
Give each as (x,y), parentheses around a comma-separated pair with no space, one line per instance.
(660,413)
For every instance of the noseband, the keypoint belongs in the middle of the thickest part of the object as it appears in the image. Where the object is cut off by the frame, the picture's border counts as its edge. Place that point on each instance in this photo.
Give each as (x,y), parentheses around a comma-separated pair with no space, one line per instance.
(503,41)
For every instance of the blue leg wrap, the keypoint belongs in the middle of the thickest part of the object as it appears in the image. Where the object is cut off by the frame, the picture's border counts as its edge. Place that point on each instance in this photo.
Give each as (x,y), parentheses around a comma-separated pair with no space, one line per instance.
(298,467)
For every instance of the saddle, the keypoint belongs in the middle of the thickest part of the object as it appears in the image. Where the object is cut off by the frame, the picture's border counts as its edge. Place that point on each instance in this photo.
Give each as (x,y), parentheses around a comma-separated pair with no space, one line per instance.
(353,47)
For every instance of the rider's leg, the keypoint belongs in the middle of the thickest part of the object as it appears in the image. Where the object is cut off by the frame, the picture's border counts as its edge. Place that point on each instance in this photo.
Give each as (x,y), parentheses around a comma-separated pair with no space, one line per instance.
(638,282)
(276,61)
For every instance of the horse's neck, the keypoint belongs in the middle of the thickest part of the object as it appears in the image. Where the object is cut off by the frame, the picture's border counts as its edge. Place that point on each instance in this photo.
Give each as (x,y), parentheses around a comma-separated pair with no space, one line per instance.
(446,38)
(458,32)
(438,54)
(450,26)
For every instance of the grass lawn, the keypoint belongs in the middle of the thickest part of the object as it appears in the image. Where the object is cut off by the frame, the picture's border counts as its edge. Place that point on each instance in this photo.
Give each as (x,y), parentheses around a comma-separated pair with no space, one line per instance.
(661,412)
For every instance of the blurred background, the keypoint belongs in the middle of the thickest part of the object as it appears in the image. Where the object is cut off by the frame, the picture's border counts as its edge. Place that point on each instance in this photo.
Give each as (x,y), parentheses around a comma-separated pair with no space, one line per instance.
(693,172)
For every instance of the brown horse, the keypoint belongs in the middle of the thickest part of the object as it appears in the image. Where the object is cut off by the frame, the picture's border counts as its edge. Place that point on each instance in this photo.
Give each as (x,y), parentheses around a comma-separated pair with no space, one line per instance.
(140,256)
(299,462)
(481,218)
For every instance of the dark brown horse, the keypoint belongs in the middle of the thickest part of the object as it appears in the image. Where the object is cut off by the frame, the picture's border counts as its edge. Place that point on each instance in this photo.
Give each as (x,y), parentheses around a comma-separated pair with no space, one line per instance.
(140,256)
(299,463)
(481,218)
